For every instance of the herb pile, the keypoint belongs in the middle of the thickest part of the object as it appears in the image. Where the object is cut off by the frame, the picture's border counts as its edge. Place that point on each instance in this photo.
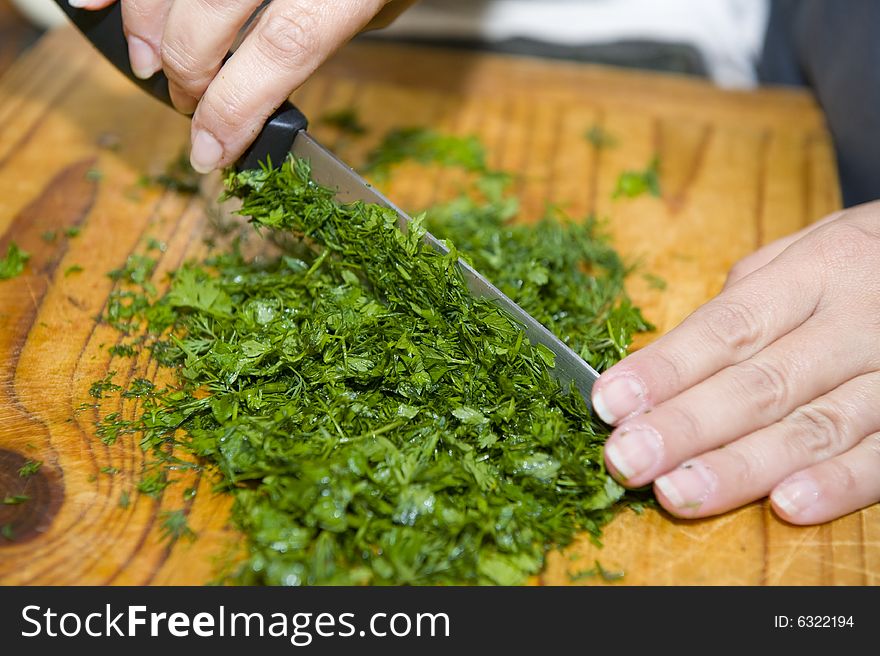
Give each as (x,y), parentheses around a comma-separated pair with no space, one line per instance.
(374,422)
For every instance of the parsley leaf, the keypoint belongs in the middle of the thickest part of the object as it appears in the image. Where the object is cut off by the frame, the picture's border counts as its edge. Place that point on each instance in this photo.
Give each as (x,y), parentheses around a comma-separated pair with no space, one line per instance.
(13,264)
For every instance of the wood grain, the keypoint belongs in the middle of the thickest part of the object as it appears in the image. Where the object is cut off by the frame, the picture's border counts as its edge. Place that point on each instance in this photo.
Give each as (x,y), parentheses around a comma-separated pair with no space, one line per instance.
(739,169)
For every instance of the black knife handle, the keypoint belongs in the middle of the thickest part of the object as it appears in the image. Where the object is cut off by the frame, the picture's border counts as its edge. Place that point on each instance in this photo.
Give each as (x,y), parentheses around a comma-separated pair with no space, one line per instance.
(104,29)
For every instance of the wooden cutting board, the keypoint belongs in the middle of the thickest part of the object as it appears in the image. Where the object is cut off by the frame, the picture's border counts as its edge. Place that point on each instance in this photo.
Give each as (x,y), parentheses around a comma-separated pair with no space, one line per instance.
(738,170)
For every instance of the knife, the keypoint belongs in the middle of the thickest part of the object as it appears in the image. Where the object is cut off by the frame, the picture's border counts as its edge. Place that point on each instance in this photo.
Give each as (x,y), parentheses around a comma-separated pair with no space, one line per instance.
(285,132)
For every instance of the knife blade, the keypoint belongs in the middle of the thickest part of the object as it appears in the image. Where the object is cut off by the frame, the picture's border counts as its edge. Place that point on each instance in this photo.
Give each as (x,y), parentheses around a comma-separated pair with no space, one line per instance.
(284,132)
(329,171)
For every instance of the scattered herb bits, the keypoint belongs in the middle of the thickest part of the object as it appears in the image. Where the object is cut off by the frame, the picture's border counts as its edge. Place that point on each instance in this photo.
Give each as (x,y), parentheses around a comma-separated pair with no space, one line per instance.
(345,120)
(599,137)
(425,146)
(179,176)
(632,184)
(13,264)
(29,468)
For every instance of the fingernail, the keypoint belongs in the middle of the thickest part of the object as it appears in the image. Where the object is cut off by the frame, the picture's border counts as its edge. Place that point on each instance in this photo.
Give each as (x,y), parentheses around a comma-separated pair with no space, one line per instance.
(144,60)
(635,451)
(206,152)
(80,4)
(618,398)
(795,496)
(689,485)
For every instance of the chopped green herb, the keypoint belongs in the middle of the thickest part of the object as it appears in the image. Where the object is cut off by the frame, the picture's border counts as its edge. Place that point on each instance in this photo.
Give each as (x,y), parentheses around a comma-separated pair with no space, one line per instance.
(72,269)
(124,499)
(179,176)
(599,137)
(631,184)
(596,570)
(137,270)
(112,427)
(345,120)
(110,471)
(13,264)
(654,281)
(72,231)
(101,387)
(154,244)
(49,235)
(123,350)
(425,145)
(130,303)
(7,532)
(139,387)
(374,422)
(154,484)
(94,175)
(29,468)
(174,526)
(563,273)
(15,499)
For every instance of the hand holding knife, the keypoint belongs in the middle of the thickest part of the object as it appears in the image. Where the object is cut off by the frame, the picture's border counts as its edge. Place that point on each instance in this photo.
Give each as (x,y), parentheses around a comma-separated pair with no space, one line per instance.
(285,132)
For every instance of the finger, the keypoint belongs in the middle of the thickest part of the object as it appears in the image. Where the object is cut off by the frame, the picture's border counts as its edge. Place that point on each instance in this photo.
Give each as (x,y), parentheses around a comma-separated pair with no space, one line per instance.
(729,329)
(144,22)
(750,467)
(833,488)
(198,35)
(738,400)
(90,4)
(291,39)
(766,254)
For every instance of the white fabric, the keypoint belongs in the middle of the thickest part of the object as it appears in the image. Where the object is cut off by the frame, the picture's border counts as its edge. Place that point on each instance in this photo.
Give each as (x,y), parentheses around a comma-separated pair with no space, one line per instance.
(44,13)
(728,33)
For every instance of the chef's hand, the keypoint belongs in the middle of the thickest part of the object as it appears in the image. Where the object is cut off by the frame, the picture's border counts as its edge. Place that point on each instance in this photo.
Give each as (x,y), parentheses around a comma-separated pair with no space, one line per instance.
(190,38)
(773,387)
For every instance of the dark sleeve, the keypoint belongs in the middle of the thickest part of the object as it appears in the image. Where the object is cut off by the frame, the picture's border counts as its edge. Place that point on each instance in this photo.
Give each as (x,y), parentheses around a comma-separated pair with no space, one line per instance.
(833,46)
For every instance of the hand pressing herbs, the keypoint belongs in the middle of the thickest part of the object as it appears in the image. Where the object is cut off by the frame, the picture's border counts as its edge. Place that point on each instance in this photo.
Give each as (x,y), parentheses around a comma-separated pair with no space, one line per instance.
(375,423)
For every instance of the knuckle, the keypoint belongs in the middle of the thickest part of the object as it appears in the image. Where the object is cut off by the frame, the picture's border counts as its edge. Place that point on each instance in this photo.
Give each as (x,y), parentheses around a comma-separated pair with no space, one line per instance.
(819,429)
(223,113)
(289,36)
(180,65)
(763,383)
(732,326)
(846,243)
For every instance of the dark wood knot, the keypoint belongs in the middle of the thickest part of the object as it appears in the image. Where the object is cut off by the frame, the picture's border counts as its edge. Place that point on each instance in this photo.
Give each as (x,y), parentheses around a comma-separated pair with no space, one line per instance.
(27,503)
